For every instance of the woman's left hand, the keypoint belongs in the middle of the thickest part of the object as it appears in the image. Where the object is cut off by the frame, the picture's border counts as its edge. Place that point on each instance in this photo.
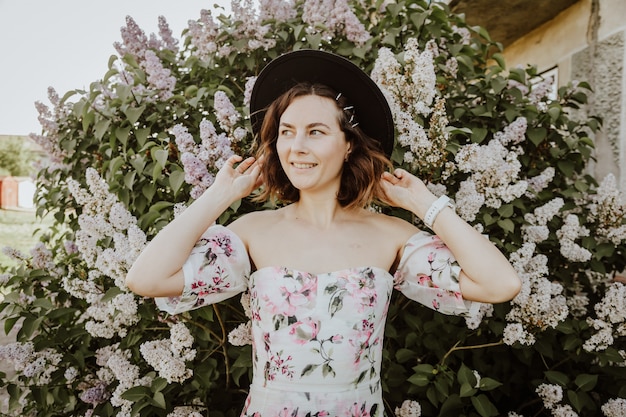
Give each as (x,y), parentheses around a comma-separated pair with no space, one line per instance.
(403,189)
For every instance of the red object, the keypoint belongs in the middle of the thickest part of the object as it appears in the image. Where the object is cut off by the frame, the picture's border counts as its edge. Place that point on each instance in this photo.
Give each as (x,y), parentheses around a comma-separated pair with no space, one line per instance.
(8,192)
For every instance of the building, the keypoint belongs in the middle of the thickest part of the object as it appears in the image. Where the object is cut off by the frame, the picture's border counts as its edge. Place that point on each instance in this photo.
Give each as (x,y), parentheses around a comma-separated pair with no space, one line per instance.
(574,40)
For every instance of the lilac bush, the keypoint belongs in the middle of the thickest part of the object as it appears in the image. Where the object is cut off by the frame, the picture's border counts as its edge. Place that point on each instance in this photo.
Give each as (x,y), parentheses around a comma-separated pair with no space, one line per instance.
(131,153)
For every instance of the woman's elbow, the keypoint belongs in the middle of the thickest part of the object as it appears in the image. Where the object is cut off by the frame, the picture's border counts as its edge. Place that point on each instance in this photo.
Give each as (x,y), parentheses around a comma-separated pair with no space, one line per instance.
(510,286)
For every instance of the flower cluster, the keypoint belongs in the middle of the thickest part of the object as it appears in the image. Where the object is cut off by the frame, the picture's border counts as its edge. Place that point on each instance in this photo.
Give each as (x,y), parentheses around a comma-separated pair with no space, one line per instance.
(494,174)
(242,334)
(568,234)
(104,218)
(249,33)
(202,160)
(116,365)
(552,395)
(49,120)
(37,365)
(159,78)
(336,18)
(186,411)
(409,409)
(610,321)
(536,229)
(615,407)
(168,356)
(410,90)
(540,303)
(608,211)
(493,168)
(111,318)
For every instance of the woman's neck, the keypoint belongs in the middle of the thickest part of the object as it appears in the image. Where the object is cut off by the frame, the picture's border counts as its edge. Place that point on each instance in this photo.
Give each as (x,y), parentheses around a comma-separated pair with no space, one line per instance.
(321,213)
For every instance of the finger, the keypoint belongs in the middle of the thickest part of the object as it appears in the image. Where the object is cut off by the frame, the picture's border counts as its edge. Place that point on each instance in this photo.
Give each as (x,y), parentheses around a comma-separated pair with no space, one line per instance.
(388,177)
(233,160)
(399,173)
(245,165)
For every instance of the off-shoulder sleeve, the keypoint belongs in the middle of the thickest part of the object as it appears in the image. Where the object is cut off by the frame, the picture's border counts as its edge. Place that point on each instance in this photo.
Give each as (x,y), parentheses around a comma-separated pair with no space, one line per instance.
(217,268)
(429,274)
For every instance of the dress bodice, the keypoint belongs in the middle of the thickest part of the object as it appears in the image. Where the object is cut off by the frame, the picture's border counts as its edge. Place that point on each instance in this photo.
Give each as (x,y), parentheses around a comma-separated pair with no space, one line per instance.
(317,338)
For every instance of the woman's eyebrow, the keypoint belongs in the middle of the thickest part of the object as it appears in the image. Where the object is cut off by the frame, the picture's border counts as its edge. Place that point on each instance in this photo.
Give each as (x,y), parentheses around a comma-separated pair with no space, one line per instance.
(309,126)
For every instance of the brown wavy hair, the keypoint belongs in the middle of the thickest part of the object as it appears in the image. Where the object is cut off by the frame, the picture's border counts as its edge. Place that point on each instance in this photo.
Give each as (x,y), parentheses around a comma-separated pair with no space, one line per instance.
(360,178)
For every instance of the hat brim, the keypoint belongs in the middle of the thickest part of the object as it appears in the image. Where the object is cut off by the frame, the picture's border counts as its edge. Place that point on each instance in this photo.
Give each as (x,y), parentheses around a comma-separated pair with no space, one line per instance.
(370,106)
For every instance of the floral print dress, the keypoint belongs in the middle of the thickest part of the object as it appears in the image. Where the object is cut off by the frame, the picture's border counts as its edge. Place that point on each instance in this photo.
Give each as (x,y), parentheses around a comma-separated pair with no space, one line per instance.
(318,338)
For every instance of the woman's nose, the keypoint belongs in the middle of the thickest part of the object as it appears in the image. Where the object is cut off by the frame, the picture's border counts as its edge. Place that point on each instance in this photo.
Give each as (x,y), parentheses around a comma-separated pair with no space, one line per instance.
(299,142)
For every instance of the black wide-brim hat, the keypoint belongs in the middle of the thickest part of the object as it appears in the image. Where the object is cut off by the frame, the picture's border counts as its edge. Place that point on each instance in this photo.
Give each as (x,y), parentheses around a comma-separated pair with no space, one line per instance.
(370,105)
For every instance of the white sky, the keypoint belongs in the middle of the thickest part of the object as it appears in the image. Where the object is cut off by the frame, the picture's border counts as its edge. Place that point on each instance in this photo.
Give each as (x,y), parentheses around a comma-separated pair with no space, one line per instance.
(66,44)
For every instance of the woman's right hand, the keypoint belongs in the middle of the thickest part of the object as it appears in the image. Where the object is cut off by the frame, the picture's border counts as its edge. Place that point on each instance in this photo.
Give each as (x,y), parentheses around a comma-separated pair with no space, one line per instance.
(241,180)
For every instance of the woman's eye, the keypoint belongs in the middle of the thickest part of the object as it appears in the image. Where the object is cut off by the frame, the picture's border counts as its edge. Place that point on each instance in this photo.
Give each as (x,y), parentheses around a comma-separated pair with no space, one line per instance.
(285,132)
(316,132)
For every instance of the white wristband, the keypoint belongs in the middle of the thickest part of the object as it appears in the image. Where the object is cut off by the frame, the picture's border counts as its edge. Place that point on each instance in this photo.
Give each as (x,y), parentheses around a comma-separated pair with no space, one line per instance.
(435,208)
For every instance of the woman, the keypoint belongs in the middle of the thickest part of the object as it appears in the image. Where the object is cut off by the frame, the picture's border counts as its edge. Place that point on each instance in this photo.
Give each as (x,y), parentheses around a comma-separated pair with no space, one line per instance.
(324,265)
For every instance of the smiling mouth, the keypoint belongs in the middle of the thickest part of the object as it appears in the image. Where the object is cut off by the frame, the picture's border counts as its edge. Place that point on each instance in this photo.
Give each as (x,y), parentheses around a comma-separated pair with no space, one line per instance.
(302,166)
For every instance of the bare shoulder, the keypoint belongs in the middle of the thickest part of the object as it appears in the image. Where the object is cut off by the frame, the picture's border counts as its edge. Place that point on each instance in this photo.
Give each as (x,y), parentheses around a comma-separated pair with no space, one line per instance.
(393,227)
(253,223)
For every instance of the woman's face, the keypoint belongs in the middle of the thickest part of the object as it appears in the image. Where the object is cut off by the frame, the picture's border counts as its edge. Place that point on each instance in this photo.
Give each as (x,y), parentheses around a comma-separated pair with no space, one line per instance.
(311,146)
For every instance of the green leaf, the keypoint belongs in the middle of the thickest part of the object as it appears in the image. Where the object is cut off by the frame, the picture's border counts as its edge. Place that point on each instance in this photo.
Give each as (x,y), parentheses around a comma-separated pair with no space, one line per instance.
(121,133)
(488,384)
(158,399)
(467,390)
(160,155)
(135,394)
(404,355)
(586,382)
(129,179)
(506,210)
(478,134)
(556,377)
(158,384)
(176,180)
(507,225)
(566,167)
(499,58)
(483,406)
(421,380)
(537,135)
(133,113)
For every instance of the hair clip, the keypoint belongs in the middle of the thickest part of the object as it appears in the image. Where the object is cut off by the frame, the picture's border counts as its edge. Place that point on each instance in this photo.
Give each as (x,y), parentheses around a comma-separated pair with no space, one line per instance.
(355,125)
(348,108)
(337,98)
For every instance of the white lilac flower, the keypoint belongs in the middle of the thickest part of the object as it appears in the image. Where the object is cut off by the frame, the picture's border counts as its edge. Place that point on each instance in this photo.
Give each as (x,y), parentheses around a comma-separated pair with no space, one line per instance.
(159,355)
(159,77)
(409,408)
(610,321)
(615,407)
(227,115)
(134,40)
(169,42)
(201,161)
(203,34)
(608,211)
(540,304)
(567,234)
(279,10)
(185,411)
(336,17)
(550,394)
(241,335)
(485,310)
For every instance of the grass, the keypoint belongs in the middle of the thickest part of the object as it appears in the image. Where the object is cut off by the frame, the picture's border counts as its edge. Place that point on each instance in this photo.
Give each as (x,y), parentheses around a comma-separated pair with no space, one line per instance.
(18,231)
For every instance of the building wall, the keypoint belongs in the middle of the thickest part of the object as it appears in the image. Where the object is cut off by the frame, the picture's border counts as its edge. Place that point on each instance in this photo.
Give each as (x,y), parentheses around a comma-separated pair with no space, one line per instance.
(587,43)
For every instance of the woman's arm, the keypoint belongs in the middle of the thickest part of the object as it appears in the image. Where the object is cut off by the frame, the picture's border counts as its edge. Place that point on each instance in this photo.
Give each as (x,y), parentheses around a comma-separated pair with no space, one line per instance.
(486,275)
(157,270)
